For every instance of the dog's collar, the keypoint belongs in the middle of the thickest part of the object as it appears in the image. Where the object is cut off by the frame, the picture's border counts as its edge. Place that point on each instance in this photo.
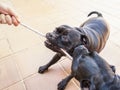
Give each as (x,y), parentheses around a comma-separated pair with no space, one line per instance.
(83,32)
(80,29)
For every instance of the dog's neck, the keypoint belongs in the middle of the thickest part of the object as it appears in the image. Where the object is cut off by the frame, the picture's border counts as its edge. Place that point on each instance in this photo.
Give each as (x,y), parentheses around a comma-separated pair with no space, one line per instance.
(83,32)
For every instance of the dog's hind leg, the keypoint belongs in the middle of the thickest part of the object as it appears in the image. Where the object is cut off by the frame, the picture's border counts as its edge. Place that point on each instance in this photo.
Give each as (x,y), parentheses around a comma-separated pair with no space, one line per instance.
(56,58)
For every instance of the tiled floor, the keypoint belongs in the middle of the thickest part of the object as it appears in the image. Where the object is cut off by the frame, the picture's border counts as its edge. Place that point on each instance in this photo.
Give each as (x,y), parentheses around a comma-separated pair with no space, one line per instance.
(22,51)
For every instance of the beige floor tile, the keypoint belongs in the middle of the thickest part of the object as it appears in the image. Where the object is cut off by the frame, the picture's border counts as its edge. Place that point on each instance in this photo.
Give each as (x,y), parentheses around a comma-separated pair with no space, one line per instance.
(2,31)
(111,54)
(30,59)
(21,38)
(118,70)
(17,86)
(8,72)
(48,80)
(4,48)
(116,38)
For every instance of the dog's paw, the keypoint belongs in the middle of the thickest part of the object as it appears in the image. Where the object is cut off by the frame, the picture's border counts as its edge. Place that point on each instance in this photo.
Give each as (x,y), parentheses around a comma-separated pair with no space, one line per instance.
(42,69)
(61,85)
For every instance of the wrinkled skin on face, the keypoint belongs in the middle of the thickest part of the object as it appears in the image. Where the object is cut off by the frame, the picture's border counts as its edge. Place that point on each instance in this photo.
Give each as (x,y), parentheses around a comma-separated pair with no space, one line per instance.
(64,37)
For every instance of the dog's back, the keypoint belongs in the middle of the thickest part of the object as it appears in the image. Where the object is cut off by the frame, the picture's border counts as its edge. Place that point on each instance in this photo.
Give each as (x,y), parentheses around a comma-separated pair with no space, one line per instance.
(97,31)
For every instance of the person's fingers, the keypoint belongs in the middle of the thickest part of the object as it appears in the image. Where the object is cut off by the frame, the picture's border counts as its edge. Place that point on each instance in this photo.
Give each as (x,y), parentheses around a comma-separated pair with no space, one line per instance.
(5,9)
(3,20)
(13,13)
(8,19)
(14,21)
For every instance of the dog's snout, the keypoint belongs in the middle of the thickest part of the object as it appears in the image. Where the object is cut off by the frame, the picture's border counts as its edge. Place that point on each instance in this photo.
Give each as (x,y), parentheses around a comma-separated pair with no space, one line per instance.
(82,47)
(50,36)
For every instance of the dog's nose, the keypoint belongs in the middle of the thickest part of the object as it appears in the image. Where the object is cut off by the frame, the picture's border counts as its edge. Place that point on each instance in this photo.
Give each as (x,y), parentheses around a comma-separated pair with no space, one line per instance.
(48,35)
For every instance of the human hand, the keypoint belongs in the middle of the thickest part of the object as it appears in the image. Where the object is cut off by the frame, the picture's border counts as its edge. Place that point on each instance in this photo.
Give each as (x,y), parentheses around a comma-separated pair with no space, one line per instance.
(8,15)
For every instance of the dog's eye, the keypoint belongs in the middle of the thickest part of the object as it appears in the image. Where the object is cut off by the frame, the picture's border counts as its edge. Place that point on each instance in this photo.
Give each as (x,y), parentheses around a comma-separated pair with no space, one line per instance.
(59,30)
(65,33)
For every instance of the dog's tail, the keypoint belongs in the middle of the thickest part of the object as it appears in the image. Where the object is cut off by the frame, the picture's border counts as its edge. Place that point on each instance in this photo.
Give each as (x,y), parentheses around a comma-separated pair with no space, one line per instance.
(95,12)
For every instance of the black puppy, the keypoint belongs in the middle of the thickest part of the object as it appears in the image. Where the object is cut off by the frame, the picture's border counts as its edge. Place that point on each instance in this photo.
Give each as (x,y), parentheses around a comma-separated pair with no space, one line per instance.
(91,71)
(93,34)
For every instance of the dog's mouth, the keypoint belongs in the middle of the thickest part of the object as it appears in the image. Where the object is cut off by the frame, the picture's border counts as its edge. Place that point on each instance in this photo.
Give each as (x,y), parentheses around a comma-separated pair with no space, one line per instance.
(52,46)
(49,43)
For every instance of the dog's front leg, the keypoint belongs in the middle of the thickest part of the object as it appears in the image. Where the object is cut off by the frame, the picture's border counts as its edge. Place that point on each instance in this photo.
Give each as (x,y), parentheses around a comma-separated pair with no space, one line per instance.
(57,57)
(64,82)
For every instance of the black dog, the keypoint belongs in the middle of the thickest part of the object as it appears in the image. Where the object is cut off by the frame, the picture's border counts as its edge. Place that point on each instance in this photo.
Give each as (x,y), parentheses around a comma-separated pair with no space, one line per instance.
(93,34)
(91,71)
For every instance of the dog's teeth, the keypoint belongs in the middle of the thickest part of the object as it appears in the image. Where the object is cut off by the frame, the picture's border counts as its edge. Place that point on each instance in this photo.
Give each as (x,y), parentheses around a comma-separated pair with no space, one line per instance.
(48,42)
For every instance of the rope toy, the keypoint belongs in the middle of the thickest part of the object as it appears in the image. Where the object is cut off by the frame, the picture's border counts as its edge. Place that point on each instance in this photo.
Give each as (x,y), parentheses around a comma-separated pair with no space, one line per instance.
(42,35)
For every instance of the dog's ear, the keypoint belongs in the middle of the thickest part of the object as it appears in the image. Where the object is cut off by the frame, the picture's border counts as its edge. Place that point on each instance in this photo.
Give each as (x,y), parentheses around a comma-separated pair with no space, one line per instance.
(62,28)
(84,40)
(78,29)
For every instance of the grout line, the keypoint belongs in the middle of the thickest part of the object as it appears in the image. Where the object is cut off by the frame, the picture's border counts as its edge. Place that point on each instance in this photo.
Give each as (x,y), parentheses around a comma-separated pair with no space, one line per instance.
(22,80)
(10,47)
(20,74)
(24,85)
(11,54)
(10,85)
(29,76)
